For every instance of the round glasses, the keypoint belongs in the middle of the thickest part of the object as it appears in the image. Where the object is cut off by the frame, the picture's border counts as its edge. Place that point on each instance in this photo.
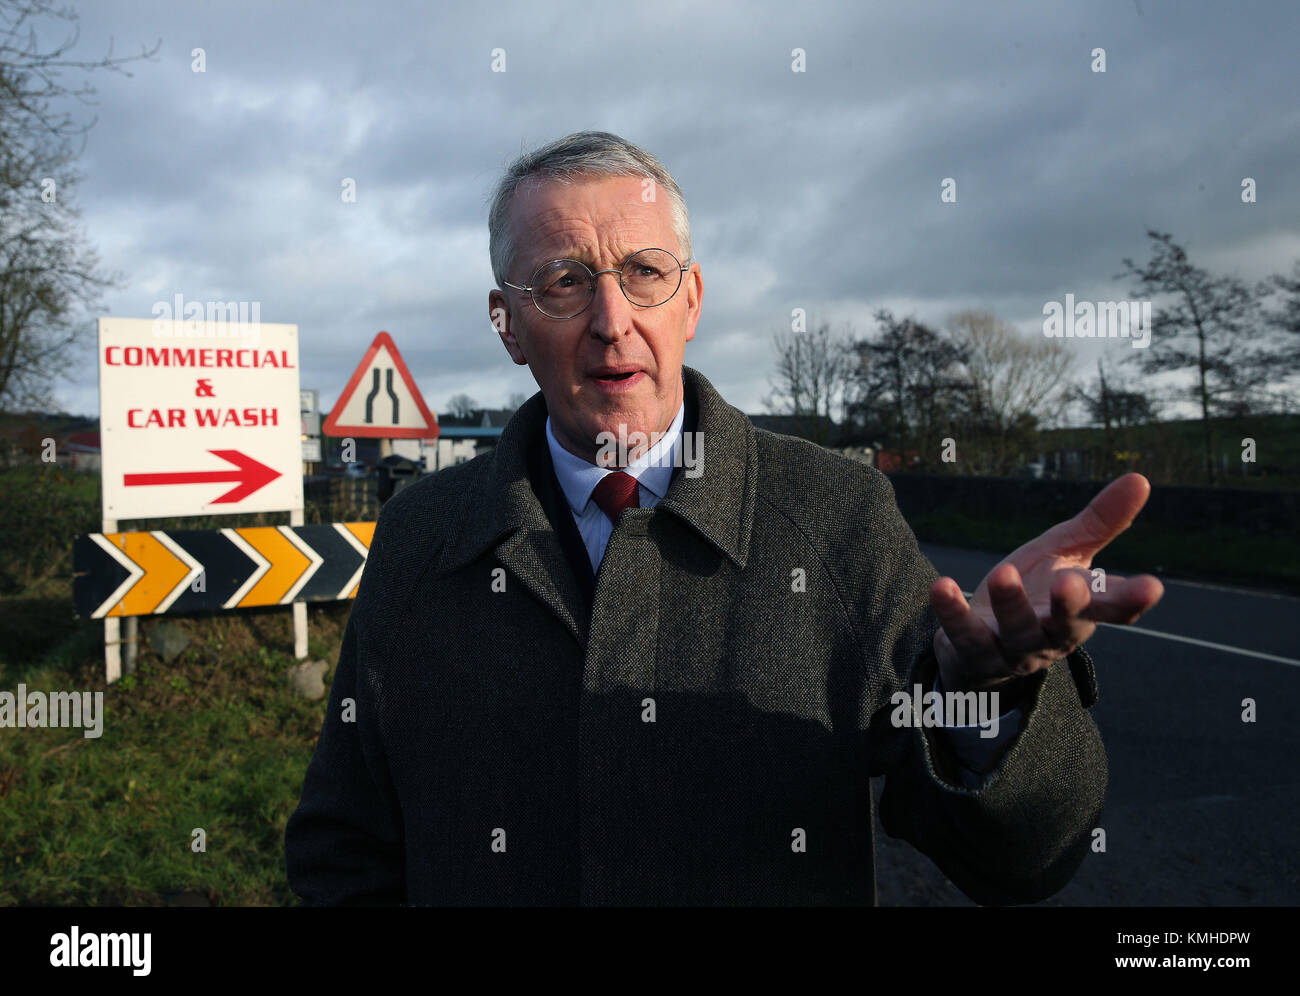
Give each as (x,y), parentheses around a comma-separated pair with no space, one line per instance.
(565,288)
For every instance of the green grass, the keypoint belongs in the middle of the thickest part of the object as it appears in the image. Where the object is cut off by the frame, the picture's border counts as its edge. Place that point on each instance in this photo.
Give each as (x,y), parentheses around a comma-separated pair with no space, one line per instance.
(214,740)
(43,507)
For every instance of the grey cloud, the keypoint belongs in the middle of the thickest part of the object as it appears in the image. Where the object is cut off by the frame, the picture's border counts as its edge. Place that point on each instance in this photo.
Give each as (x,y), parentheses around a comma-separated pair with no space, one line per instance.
(821,189)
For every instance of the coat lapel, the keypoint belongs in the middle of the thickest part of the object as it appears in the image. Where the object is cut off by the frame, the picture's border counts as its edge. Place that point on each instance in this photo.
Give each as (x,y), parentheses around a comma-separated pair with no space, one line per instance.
(501,508)
(718,503)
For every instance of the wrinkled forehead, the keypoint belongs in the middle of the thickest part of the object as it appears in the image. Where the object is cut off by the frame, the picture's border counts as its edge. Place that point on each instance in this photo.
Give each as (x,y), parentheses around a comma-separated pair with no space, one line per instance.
(598,220)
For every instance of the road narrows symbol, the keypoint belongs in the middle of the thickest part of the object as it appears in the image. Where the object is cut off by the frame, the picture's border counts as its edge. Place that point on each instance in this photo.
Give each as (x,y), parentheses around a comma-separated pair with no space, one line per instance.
(360,409)
(370,398)
(388,383)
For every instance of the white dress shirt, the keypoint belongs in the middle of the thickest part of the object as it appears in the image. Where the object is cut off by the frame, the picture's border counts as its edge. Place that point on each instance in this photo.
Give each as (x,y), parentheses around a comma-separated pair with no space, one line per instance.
(578,479)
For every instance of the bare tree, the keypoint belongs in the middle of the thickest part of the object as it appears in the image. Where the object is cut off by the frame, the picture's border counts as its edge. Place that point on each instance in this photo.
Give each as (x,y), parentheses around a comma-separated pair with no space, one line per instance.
(49,275)
(1113,403)
(516,401)
(907,384)
(1015,381)
(812,371)
(1285,317)
(462,405)
(1206,327)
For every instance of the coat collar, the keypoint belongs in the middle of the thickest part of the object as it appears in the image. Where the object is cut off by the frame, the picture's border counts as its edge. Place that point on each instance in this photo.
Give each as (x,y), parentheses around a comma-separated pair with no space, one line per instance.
(501,510)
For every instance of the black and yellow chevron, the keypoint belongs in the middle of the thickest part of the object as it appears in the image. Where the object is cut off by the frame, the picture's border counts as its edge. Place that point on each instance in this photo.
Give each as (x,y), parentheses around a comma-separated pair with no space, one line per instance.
(139,574)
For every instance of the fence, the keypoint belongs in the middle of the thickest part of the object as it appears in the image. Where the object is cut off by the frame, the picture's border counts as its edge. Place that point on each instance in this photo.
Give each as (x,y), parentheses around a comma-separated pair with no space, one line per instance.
(1176,506)
(342,499)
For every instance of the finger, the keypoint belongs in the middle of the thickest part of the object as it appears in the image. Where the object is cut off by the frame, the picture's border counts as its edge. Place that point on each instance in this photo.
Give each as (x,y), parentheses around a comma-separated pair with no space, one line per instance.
(1109,513)
(1069,627)
(974,642)
(1020,632)
(1125,599)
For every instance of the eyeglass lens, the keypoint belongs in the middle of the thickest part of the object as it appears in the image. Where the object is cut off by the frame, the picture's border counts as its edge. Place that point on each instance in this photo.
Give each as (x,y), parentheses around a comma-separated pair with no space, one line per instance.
(564,287)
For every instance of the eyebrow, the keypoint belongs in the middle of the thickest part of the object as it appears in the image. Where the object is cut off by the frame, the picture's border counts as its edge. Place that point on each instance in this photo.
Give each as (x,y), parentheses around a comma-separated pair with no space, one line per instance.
(585,257)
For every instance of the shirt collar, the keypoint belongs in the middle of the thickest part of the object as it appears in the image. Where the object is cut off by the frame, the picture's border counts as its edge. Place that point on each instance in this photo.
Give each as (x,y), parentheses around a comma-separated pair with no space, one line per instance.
(653,471)
(499,508)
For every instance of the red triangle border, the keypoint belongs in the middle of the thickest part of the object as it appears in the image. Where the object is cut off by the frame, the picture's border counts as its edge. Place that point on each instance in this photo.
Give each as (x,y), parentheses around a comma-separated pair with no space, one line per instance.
(332,427)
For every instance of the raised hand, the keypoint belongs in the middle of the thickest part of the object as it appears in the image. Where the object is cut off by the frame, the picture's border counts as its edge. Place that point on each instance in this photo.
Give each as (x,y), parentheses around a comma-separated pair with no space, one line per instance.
(1038,604)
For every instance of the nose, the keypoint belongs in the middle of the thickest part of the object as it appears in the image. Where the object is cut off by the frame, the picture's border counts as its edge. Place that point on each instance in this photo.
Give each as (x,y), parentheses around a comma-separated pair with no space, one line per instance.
(610,314)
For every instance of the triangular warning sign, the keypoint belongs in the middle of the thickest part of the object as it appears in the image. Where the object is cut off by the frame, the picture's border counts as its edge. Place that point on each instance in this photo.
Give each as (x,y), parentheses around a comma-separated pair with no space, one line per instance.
(381,400)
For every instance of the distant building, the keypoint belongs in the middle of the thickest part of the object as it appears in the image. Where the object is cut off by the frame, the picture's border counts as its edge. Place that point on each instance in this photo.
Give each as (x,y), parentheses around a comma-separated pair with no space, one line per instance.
(80,451)
(482,418)
(25,438)
(819,429)
(463,437)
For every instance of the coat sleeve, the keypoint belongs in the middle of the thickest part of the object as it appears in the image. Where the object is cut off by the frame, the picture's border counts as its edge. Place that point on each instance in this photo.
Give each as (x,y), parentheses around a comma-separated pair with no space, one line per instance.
(344,842)
(1021,834)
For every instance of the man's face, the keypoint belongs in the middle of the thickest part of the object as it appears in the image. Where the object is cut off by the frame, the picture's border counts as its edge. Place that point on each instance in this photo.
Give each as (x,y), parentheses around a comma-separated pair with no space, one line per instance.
(616,364)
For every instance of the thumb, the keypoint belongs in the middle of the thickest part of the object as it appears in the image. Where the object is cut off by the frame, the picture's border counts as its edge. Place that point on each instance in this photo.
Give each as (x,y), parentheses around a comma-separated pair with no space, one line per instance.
(1109,513)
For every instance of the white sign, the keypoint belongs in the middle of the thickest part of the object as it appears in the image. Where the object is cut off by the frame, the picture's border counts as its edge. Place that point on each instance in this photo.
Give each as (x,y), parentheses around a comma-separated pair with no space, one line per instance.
(198,418)
(311,449)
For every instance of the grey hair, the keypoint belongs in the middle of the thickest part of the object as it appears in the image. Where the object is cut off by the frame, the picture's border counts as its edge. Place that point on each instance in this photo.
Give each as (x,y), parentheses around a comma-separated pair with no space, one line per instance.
(584,153)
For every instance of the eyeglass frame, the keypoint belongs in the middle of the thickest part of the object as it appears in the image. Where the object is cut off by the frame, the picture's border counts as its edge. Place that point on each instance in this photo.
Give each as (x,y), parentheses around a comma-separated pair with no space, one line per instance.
(682,268)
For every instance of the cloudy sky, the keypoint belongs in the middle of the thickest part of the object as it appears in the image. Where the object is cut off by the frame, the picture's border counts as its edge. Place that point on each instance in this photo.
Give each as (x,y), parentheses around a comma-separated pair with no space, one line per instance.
(816,189)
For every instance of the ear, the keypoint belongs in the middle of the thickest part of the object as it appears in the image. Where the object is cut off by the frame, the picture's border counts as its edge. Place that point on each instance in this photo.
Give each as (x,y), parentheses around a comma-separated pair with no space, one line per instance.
(501,319)
(694,298)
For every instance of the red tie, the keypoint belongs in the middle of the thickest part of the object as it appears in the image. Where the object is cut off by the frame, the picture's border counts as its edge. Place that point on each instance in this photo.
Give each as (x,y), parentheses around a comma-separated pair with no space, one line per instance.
(615,492)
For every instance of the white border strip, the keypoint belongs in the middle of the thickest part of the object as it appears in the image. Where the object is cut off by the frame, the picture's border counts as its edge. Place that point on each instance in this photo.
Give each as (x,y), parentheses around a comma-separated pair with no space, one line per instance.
(1259,654)
(184,556)
(361,548)
(316,560)
(135,573)
(264,565)
(1161,634)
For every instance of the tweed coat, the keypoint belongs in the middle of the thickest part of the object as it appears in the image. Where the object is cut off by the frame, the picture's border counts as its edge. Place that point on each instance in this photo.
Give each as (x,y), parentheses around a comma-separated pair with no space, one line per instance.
(699,729)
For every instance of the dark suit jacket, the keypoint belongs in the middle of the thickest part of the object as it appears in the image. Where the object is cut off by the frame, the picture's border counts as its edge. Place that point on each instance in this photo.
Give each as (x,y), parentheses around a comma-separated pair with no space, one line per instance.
(671,730)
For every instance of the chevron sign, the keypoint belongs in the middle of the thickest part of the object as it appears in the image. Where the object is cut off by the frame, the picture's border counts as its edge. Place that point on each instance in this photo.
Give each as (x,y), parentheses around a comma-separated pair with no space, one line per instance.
(208,570)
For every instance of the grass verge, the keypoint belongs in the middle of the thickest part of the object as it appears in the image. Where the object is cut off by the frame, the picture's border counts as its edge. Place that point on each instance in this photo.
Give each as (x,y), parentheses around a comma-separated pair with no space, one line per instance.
(214,739)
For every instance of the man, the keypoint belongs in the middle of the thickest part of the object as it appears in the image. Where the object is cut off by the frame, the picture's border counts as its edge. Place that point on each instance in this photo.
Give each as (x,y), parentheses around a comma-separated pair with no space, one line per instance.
(580,675)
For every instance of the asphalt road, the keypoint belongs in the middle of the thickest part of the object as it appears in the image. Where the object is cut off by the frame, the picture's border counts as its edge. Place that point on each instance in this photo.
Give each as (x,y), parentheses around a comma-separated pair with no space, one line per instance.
(1203,808)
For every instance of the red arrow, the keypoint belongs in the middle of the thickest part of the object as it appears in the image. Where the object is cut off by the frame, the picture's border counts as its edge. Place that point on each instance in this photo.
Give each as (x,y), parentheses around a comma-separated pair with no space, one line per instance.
(250,474)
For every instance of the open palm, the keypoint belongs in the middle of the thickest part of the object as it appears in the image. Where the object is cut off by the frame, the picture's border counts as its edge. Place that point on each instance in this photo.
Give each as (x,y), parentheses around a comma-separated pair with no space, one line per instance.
(1042,601)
